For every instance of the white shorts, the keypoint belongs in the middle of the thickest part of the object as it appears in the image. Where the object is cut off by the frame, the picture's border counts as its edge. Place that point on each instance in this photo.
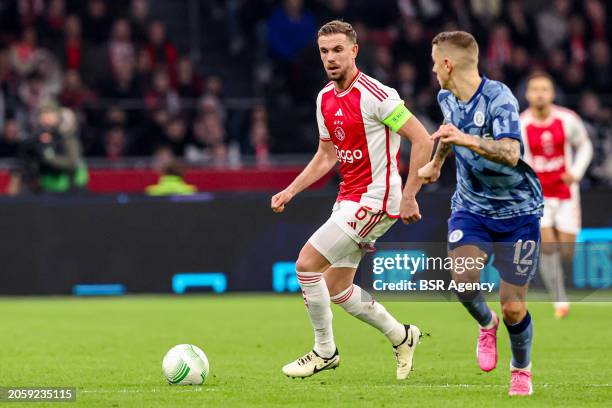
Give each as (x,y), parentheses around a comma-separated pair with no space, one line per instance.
(563,215)
(350,229)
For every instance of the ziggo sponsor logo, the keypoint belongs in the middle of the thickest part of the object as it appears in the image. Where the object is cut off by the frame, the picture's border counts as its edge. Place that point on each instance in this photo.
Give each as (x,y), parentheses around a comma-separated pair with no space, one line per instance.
(348,156)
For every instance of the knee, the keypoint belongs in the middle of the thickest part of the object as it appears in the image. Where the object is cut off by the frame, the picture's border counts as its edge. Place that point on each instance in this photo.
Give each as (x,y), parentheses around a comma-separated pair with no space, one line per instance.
(464,277)
(310,260)
(335,287)
(302,264)
(513,312)
(567,255)
(305,262)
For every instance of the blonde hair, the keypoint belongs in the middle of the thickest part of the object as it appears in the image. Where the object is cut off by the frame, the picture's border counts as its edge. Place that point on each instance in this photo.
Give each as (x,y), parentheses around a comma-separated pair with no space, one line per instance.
(459,40)
(338,27)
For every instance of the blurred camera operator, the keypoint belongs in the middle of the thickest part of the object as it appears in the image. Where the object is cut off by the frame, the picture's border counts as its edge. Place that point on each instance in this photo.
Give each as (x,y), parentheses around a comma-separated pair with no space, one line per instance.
(51,158)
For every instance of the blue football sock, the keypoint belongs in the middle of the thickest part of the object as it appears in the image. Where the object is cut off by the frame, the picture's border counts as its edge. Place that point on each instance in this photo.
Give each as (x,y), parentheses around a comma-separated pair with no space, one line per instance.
(521,336)
(475,303)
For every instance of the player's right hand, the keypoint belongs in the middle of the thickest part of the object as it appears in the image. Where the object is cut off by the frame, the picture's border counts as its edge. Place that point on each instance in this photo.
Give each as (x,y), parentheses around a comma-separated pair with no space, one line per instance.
(429,173)
(279,200)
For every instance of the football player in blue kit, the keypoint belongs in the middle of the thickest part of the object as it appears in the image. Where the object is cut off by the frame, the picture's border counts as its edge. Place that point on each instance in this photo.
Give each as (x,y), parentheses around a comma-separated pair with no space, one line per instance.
(498,202)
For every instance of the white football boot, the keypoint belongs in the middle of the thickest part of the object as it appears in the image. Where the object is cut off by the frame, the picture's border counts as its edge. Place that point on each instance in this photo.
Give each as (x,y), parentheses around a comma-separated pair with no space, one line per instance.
(404,352)
(310,364)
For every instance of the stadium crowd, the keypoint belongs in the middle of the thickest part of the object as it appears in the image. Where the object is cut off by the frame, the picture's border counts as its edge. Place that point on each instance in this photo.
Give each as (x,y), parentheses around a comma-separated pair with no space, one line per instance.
(135,92)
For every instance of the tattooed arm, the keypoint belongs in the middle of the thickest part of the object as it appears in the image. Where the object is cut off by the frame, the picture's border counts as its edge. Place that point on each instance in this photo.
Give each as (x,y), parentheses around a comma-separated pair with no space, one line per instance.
(504,151)
(431,171)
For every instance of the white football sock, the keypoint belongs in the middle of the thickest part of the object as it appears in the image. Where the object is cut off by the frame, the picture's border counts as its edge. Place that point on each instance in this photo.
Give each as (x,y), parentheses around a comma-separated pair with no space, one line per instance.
(359,303)
(551,271)
(317,301)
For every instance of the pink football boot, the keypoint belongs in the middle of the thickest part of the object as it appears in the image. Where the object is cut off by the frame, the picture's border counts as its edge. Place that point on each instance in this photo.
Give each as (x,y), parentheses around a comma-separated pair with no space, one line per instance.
(486,351)
(520,383)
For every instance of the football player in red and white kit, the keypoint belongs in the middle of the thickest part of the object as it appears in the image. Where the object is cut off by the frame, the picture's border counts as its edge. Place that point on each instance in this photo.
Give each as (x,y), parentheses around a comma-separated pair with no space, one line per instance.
(558,148)
(361,122)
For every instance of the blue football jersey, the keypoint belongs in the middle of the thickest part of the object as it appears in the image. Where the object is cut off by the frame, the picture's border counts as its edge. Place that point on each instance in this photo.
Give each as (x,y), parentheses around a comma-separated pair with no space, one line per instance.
(484,187)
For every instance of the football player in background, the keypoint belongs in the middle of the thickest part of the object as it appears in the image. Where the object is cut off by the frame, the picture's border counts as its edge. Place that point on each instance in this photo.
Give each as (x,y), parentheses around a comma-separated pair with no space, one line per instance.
(558,148)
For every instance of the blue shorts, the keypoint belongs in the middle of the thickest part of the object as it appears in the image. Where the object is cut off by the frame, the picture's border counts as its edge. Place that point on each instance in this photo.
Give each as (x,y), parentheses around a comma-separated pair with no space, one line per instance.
(515,242)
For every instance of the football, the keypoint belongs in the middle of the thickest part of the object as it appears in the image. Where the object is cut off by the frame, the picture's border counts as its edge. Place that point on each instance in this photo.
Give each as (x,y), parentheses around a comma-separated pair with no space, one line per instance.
(185,364)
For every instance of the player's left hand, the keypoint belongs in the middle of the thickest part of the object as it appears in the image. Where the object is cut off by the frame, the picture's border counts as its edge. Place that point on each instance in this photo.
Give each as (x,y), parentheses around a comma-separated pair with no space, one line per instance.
(450,134)
(409,210)
(568,178)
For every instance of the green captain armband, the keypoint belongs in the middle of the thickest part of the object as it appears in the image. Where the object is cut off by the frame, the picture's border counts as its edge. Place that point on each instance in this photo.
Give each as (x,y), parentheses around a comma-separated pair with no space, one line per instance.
(397,118)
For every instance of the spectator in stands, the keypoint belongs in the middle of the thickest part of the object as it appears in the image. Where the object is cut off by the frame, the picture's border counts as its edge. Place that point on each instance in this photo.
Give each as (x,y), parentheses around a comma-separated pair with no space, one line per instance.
(161,51)
(291,28)
(75,95)
(115,143)
(96,22)
(139,20)
(122,84)
(171,181)
(32,93)
(71,49)
(337,10)
(412,46)
(259,135)
(208,141)
(517,68)
(552,24)
(576,43)
(383,65)
(574,81)
(50,26)
(557,63)
(120,46)
(12,136)
(144,69)
(597,18)
(23,53)
(499,48)
(521,25)
(161,94)
(210,103)
(406,80)
(189,85)
(599,78)
(175,135)
(30,11)
(598,121)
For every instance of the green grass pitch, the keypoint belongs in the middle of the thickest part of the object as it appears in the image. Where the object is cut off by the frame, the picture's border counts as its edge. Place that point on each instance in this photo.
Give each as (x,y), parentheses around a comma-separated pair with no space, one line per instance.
(111,351)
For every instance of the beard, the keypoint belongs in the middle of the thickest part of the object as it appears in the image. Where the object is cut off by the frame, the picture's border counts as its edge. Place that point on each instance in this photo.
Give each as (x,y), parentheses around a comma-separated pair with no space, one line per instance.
(336,76)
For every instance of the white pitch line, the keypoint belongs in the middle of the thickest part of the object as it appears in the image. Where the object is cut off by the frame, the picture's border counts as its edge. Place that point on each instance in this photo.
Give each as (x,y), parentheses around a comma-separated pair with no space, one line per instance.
(433,386)
(137,391)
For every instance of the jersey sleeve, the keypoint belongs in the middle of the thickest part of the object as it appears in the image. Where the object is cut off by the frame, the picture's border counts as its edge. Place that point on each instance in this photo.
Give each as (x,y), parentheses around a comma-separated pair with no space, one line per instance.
(504,113)
(391,111)
(579,139)
(323,132)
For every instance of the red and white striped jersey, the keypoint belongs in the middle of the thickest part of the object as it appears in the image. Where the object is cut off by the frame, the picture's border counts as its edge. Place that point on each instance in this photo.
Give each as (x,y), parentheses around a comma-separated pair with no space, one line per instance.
(368,151)
(549,149)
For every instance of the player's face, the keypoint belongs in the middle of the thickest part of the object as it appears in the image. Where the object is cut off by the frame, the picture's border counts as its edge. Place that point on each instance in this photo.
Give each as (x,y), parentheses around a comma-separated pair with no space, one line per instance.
(440,67)
(338,55)
(540,93)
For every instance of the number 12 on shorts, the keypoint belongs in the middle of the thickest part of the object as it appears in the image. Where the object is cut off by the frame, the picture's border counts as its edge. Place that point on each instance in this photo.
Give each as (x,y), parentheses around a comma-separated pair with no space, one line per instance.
(524,255)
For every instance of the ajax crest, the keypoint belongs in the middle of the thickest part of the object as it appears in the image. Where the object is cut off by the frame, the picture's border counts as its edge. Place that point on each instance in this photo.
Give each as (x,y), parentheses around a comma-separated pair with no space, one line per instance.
(339,133)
